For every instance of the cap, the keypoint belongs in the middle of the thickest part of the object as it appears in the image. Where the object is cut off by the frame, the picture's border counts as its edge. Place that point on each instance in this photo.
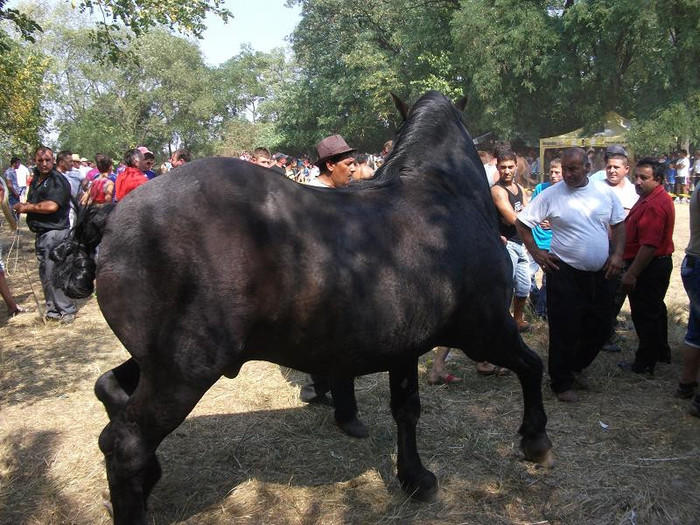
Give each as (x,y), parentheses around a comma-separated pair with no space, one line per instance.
(615,150)
(83,159)
(330,147)
(144,150)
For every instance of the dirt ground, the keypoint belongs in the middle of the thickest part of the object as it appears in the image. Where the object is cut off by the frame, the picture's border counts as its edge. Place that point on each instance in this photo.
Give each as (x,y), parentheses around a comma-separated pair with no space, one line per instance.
(251,452)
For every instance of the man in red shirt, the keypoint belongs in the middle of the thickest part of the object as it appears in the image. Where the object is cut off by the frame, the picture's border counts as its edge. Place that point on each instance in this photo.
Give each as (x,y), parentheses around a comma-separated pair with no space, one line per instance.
(647,256)
(133,176)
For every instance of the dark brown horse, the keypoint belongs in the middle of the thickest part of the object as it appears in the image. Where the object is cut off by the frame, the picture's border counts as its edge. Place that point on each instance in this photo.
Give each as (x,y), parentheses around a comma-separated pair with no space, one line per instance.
(199,272)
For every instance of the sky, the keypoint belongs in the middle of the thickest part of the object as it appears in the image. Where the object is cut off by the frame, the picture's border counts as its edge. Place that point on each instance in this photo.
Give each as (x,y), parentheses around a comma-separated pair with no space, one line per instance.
(263,24)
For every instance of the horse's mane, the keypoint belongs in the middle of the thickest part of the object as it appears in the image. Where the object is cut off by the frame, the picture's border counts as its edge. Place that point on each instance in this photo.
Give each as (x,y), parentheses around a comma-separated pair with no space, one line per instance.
(431,116)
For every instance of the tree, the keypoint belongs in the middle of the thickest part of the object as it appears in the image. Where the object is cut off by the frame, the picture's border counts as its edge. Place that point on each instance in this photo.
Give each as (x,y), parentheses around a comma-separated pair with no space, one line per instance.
(111,17)
(22,119)
(351,55)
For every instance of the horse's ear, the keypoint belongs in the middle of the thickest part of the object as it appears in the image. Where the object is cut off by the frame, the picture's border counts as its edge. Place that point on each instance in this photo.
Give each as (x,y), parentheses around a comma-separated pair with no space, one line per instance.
(401,106)
(462,103)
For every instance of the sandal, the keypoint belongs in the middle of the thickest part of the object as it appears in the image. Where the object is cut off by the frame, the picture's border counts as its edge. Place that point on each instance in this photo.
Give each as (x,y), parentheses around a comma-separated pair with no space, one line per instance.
(445,379)
(492,371)
(17,311)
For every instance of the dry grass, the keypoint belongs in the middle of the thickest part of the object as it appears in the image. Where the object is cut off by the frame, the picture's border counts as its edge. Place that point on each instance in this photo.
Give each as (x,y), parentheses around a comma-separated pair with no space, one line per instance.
(252,453)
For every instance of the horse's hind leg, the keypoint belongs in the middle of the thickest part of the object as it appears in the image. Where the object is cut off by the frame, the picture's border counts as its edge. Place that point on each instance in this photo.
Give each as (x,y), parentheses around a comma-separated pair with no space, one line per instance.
(514,354)
(115,387)
(130,440)
(415,479)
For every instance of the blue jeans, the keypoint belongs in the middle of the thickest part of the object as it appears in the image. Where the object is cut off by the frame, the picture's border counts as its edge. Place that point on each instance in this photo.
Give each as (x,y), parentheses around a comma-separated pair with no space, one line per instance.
(538,296)
(521,268)
(690,274)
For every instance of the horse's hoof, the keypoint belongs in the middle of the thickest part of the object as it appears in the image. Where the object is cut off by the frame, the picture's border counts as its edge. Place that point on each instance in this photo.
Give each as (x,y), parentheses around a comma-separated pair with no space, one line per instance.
(422,488)
(548,461)
(539,450)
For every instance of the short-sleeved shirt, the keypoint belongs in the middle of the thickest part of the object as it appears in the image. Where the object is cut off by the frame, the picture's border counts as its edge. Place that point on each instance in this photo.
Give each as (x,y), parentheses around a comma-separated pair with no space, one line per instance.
(11,178)
(75,179)
(53,188)
(543,238)
(579,219)
(682,167)
(650,223)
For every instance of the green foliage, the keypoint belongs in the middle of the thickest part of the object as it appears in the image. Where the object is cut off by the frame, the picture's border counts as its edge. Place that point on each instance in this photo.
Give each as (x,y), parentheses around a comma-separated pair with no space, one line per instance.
(163,100)
(21,118)
(110,17)
(530,68)
(669,128)
(351,55)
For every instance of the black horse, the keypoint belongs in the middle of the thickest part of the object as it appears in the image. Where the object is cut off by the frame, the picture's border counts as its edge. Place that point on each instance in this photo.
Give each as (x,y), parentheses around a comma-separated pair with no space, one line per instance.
(222,262)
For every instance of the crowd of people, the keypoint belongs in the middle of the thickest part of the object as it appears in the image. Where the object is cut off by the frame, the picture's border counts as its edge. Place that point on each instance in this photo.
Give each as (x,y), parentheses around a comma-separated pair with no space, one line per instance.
(597,236)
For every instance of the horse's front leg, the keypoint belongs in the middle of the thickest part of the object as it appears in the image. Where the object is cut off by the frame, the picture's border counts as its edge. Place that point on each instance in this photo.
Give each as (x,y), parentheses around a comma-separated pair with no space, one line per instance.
(415,479)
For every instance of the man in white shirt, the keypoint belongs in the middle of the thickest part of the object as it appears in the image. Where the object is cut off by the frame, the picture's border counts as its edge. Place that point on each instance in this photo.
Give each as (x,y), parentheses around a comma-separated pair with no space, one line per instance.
(682,172)
(579,267)
(695,171)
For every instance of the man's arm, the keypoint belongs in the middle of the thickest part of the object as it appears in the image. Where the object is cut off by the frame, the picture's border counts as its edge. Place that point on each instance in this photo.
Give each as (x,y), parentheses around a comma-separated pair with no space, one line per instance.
(500,199)
(614,263)
(641,260)
(44,207)
(541,257)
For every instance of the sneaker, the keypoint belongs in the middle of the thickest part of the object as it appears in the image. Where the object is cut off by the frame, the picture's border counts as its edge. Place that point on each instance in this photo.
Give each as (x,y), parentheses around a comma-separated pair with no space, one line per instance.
(66,319)
(568,396)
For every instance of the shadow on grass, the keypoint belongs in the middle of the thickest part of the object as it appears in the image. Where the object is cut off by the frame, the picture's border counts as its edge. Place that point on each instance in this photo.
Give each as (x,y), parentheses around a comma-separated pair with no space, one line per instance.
(27,491)
(210,457)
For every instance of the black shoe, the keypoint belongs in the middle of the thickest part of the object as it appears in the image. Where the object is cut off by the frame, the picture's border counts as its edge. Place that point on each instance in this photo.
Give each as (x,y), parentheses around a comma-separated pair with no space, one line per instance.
(695,406)
(611,346)
(636,368)
(581,381)
(354,428)
(308,395)
(685,390)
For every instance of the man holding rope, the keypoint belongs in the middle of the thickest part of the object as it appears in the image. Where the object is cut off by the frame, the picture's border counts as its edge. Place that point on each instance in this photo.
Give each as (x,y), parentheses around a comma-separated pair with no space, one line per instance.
(47,207)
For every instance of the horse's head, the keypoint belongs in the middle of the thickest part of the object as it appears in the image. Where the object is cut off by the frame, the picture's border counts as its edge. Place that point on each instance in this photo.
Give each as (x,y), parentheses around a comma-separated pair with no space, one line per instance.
(434,136)
(404,108)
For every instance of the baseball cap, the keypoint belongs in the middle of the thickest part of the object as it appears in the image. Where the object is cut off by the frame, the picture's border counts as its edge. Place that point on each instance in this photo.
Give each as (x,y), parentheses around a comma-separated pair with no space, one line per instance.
(144,150)
(616,150)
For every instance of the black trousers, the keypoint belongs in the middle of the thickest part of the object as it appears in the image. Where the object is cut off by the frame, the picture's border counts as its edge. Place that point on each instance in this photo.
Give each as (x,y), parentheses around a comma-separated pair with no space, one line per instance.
(649,313)
(342,390)
(578,304)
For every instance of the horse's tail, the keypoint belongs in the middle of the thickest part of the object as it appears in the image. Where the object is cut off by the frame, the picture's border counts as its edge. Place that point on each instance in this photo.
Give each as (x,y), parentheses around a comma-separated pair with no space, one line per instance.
(75,267)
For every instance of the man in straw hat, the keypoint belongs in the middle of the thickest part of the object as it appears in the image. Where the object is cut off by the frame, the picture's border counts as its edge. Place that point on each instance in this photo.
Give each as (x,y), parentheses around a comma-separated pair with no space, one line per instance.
(337,164)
